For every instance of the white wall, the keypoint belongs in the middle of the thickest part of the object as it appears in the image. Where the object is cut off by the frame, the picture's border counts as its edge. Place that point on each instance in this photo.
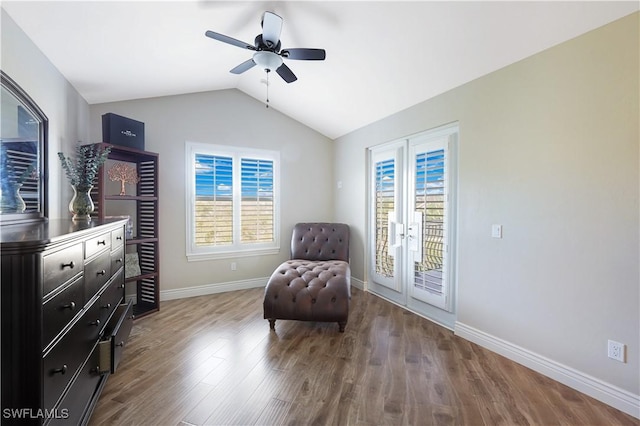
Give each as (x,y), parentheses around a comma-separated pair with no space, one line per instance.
(67,111)
(226,117)
(549,148)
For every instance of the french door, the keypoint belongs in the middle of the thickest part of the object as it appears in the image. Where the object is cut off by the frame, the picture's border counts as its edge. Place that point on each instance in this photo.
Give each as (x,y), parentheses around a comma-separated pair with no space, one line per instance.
(412,217)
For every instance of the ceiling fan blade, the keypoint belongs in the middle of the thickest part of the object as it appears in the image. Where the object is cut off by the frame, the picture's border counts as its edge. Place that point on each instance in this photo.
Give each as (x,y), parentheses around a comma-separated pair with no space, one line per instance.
(243,67)
(229,40)
(271,28)
(286,73)
(304,54)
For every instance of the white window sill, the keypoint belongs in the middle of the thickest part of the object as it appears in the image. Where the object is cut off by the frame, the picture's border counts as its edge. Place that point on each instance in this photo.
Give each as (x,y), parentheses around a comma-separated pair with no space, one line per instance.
(197,257)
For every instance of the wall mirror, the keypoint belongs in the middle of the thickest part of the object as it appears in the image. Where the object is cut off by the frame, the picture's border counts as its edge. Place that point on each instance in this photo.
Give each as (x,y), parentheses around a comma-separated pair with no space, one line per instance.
(23,156)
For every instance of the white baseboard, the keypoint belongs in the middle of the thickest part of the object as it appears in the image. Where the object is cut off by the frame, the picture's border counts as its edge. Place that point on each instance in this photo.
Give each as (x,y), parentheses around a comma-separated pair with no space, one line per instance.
(359,284)
(609,394)
(203,290)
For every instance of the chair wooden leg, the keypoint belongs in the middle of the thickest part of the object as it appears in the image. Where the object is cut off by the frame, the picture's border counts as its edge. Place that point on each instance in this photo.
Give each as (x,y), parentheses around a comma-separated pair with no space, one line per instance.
(272,324)
(342,325)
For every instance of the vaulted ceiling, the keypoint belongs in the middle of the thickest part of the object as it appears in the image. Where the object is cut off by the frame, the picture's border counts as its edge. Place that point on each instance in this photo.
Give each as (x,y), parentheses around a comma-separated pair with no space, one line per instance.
(382,57)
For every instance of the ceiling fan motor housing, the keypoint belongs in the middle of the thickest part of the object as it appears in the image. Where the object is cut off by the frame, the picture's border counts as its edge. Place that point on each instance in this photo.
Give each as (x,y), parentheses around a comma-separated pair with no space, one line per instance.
(260,44)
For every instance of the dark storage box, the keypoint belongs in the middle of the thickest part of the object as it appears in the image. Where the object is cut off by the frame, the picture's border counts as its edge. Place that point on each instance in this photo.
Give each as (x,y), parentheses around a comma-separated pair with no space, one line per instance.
(119,130)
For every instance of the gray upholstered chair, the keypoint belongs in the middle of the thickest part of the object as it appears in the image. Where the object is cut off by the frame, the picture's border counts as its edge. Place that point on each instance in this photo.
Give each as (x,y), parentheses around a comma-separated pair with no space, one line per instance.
(315,285)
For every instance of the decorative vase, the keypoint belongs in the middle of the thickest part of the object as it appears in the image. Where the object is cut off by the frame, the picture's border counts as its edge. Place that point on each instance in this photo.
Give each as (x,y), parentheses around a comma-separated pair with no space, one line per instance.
(81,204)
(12,202)
(20,204)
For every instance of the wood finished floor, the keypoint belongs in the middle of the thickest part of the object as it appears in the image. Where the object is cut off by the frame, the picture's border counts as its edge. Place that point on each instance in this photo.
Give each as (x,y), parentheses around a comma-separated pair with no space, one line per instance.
(212,360)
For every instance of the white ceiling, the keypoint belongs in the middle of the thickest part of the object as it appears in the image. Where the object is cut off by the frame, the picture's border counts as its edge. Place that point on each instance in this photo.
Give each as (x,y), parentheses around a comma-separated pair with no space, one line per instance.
(382,57)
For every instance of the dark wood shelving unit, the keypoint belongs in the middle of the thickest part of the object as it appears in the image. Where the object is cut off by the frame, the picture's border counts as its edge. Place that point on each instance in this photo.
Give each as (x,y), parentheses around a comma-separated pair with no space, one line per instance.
(144,215)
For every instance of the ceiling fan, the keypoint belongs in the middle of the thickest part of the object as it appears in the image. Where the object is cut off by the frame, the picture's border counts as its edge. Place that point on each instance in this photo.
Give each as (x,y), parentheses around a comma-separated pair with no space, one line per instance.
(267,49)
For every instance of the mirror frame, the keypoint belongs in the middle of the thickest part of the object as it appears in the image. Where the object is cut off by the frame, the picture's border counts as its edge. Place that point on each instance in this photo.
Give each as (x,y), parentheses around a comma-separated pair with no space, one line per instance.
(43,175)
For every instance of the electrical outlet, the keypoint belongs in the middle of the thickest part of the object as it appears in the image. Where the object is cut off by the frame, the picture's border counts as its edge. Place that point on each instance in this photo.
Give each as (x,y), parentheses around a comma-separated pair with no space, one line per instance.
(615,350)
(234,266)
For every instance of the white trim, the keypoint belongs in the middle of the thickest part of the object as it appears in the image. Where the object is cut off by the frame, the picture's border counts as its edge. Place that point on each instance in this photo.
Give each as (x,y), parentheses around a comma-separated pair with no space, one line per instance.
(196,257)
(203,290)
(359,284)
(609,394)
(206,289)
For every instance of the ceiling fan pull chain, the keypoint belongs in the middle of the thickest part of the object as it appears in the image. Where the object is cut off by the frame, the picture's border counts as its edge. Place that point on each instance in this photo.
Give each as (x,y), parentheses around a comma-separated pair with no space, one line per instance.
(267,70)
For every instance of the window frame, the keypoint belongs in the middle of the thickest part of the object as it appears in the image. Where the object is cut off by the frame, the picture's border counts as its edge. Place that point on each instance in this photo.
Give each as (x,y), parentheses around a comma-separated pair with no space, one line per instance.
(236,248)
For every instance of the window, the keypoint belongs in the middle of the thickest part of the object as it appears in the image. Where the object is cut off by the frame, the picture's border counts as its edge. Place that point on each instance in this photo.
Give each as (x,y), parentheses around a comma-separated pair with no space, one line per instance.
(232,201)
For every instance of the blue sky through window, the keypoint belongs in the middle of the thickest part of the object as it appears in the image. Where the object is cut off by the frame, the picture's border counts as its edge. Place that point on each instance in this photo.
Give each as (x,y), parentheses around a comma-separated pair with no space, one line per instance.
(430,172)
(214,177)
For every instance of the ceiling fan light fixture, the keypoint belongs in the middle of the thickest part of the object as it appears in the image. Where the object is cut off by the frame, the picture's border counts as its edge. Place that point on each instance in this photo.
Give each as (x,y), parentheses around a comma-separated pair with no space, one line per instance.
(267,60)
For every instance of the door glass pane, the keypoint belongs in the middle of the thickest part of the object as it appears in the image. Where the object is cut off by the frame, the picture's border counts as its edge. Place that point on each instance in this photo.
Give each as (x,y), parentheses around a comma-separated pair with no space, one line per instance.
(430,196)
(384,203)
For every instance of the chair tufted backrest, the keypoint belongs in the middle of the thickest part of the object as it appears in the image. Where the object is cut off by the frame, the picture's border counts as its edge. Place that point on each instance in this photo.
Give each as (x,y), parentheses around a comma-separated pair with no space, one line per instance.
(320,241)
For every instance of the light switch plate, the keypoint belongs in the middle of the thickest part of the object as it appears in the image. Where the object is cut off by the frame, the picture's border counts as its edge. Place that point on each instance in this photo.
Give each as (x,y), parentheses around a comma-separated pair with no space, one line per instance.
(496,231)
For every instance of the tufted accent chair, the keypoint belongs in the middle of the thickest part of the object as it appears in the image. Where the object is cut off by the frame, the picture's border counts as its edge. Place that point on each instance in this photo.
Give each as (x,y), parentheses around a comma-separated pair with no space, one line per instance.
(315,285)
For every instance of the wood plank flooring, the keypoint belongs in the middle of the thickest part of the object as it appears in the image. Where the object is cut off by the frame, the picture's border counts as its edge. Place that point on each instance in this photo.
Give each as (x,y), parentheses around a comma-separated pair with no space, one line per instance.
(212,360)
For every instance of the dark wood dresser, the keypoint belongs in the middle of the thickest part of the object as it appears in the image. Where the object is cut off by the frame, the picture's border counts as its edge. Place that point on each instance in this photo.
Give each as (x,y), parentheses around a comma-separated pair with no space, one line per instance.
(64,320)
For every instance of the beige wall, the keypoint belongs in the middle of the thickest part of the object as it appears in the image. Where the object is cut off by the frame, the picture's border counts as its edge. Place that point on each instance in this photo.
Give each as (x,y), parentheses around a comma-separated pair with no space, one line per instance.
(67,111)
(226,117)
(549,149)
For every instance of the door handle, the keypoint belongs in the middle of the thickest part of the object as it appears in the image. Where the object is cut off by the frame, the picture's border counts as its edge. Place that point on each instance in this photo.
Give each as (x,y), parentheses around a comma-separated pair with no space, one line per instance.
(415,235)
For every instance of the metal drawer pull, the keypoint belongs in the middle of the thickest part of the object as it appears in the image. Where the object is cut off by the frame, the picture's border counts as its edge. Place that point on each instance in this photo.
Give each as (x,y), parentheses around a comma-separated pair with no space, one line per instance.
(121,344)
(101,272)
(96,323)
(103,242)
(119,260)
(62,370)
(107,306)
(121,286)
(118,238)
(69,265)
(71,305)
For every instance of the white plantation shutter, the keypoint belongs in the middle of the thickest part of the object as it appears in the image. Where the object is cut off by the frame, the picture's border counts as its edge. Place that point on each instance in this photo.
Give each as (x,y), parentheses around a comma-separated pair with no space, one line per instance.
(214,201)
(430,197)
(232,202)
(257,208)
(431,271)
(384,204)
(385,217)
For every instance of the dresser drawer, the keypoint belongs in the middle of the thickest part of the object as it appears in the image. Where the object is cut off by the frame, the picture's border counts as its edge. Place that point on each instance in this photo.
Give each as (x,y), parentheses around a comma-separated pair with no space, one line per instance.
(115,338)
(117,259)
(61,309)
(93,323)
(96,274)
(94,245)
(61,363)
(117,238)
(77,399)
(61,266)
(111,297)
